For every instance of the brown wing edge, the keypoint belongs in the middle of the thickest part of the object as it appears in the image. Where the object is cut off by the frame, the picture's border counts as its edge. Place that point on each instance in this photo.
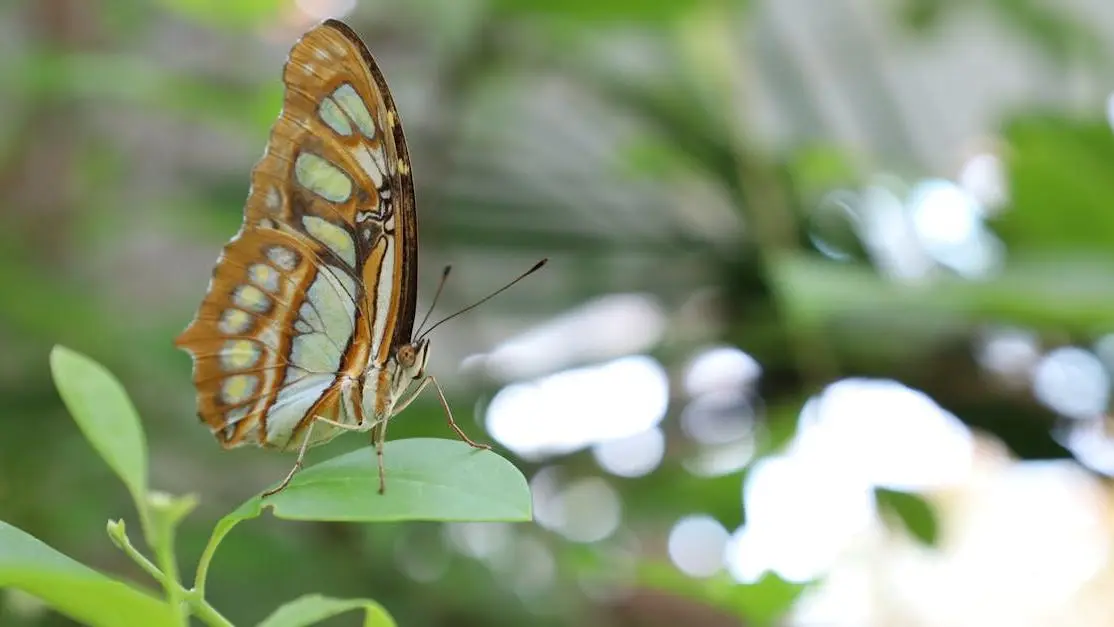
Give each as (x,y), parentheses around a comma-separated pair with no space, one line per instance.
(406,212)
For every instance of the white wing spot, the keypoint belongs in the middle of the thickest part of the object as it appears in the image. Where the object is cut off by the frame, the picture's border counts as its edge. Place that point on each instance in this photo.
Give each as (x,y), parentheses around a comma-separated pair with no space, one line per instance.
(239,355)
(284,258)
(238,388)
(354,106)
(233,417)
(332,116)
(273,198)
(264,276)
(371,163)
(251,298)
(322,178)
(234,321)
(332,236)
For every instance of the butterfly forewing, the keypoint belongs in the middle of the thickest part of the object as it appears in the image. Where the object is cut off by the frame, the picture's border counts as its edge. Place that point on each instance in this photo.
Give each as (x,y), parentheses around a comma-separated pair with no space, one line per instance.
(319,283)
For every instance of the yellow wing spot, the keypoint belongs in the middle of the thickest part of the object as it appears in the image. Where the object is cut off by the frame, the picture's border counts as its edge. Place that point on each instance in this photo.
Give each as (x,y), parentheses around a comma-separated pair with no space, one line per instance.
(322,178)
(239,354)
(357,110)
(332,115)
(333,237)
(284,258)
(234,321)
(403,169)
(238,388)
(392,119)
(264,276)
(251,298)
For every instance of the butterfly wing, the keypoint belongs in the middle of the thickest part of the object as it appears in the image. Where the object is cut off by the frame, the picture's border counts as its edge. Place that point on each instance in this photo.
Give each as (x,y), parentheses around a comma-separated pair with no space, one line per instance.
(320,281)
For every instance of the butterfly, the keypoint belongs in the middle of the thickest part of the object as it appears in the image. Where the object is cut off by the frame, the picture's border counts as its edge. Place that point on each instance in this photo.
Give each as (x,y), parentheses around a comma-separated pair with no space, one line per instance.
(306,328)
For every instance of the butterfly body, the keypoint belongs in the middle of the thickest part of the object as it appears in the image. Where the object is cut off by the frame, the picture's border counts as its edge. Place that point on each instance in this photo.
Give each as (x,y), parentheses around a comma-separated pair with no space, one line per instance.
(306,327)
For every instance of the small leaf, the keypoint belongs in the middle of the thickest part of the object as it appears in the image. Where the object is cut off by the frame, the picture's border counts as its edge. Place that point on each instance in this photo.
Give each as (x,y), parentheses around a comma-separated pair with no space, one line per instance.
(72,588)
(314,608)
(915,514)
(427,479)
(763,602)
(767,600)
(105,415)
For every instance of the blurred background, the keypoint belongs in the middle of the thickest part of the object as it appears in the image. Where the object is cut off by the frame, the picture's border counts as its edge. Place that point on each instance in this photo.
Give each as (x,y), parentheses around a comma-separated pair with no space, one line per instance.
(826,338)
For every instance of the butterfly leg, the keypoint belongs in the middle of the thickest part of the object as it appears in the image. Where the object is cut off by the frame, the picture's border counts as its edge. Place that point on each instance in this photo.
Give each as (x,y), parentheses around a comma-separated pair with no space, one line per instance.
(379,436)
(445,404)
(297,464)
(302,451)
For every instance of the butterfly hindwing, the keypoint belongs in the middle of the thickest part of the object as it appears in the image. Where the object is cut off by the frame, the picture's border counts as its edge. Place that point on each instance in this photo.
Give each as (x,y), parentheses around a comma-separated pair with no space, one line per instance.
(272,319)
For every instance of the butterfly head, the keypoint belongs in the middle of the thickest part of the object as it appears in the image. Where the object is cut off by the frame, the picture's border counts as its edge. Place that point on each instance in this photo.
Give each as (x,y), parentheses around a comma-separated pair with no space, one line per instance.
(411,359)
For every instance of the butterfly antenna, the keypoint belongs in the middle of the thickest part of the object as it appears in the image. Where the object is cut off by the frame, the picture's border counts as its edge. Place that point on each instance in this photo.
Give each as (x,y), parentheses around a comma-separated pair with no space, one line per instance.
(436,295)
(537,266)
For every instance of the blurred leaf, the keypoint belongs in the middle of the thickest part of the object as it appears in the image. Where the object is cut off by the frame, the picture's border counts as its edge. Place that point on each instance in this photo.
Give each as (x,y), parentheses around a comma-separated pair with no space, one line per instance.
(73,589)
(922,15)
(650,157)
(1060,184)
(608,10)
(818,168)
(221,12)
(105,415)
(313,608)
(915,514)
(1030,292)
(56,75)
(762,602)
(1052,27)
(427,479)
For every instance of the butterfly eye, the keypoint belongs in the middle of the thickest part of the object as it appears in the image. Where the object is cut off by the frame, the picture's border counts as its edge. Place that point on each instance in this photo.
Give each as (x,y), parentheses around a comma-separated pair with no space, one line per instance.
(406,356)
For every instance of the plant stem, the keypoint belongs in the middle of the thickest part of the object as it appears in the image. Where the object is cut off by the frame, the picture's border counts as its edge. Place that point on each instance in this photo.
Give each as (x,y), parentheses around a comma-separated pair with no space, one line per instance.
(204,612)
(164,553)
(176,594)
(219,532)
(141,559)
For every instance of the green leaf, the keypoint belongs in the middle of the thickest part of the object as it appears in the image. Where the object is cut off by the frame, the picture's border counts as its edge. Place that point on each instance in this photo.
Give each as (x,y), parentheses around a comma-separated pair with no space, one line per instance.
(760,603)
(914,513)
(427,479)
(313,608)
(72,588)
(104,413)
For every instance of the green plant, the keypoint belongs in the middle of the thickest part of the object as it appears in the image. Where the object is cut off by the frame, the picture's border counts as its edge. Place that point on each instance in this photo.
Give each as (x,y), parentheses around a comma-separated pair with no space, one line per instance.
(432,479)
